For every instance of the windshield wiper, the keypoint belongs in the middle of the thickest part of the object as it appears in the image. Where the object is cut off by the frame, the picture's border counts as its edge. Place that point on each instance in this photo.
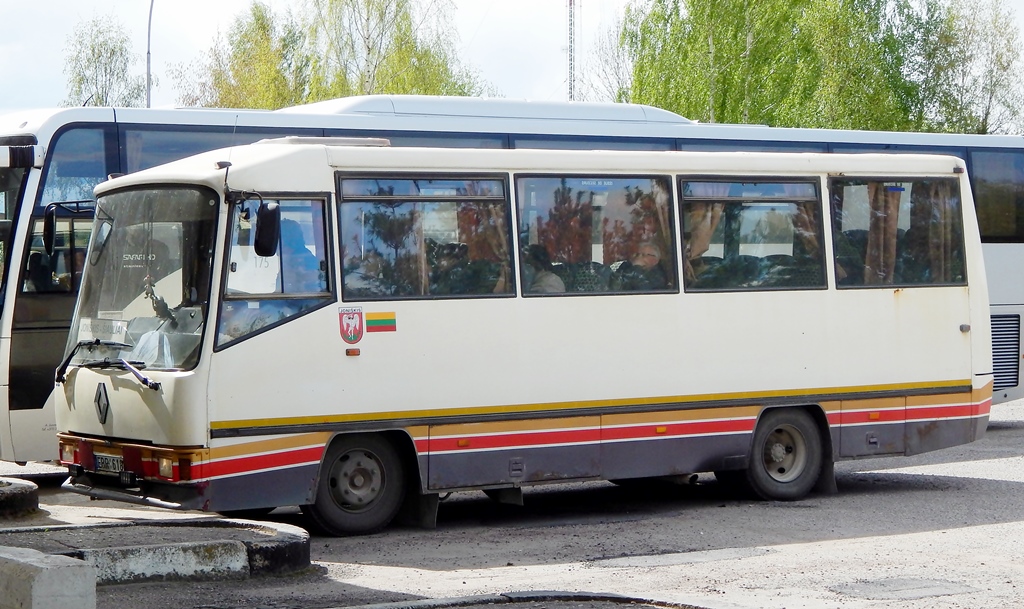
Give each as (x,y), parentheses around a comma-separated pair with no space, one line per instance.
(93,343)
(133,366)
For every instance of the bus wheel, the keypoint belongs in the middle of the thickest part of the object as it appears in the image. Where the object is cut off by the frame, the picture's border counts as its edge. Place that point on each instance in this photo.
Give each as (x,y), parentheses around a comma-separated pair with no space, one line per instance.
(786,459)
(361,486)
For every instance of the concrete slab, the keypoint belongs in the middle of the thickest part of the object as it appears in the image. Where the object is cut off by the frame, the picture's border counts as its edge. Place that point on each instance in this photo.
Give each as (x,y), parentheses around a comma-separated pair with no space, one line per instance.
(17,497)
(176,549)
(30,579)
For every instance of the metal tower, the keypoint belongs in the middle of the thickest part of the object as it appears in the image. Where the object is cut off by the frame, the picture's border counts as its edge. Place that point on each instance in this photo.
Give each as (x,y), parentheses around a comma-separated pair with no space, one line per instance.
(572,50)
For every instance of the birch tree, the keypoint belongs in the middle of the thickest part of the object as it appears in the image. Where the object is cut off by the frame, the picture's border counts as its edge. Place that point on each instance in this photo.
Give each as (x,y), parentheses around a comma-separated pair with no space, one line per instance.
(99,66)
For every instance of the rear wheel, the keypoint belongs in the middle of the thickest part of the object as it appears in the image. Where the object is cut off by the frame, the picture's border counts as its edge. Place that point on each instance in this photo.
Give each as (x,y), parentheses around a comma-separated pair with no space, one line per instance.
(786,459)
(361,486)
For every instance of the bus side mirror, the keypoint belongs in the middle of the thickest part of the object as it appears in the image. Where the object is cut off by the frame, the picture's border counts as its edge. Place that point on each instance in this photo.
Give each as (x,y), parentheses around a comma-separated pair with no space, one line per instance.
(49,228)
(268,229)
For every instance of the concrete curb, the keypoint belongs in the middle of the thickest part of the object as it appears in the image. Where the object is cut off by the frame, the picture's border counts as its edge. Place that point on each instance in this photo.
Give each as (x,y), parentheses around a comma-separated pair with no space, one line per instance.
(238,550)
(527,596)
(18,497)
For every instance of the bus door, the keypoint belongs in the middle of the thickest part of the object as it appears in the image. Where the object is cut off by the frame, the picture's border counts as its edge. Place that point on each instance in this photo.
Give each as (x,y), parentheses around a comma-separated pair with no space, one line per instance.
(45,285)
(900,271)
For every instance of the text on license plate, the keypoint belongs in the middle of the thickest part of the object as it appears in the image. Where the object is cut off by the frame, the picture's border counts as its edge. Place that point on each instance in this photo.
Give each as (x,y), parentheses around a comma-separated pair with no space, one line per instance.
(109,463)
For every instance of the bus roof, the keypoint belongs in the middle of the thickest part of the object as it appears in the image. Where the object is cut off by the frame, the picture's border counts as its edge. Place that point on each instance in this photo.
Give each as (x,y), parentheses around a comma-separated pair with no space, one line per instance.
(468,115)
(450,106)
(281,165)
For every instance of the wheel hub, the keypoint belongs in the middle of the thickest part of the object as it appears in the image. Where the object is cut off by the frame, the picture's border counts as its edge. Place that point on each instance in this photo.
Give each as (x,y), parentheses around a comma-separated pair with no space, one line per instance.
(356,480)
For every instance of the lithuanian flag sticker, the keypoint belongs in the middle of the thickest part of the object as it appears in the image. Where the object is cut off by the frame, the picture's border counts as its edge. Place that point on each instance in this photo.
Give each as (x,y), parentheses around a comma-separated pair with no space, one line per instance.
(380,322)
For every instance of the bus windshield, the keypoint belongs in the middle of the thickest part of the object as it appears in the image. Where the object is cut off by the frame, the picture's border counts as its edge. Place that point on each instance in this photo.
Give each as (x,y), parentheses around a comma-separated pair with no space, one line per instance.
(146,282)
(12,179)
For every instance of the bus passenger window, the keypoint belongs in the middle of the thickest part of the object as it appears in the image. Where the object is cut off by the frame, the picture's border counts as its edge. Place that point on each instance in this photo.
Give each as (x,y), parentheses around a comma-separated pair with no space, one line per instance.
(595,234)
(897,232)
(266,291)
(424,238)
(752,236)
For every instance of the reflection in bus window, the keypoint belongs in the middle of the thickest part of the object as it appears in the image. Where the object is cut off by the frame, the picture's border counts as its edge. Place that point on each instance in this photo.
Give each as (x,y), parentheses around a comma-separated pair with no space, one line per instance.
(262,291)
(12,180)
(77,164)
(424,238)
(596,234)
(752,236)
(60,271)
(999,194)
(897,232)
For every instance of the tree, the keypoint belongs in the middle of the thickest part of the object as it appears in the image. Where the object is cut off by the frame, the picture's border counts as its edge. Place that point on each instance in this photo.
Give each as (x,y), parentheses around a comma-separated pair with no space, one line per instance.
(946,65)
(841,79)
(387,46)
(98,66)
(263,64)
(712,60)
(608,71)
(982,73)
(334,48)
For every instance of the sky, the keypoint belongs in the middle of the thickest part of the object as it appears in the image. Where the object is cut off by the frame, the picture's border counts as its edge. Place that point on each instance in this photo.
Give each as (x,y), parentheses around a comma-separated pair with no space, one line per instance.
(518,46)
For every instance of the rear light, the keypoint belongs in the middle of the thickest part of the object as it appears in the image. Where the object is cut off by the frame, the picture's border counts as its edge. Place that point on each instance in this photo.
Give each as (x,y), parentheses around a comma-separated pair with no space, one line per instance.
(67,453)
(165,467)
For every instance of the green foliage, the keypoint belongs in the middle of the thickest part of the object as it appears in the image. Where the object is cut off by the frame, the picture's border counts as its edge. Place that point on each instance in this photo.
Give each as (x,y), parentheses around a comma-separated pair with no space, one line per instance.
(934,65)
(98,66)
(262,65)
(335,48)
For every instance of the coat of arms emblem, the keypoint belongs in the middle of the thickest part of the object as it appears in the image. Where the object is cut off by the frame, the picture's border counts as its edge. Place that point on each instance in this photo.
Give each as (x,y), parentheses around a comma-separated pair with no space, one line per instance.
(351,320)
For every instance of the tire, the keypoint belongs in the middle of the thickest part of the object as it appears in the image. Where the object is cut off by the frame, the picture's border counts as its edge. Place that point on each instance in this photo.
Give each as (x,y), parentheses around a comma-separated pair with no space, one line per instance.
(360,488)
(786,458)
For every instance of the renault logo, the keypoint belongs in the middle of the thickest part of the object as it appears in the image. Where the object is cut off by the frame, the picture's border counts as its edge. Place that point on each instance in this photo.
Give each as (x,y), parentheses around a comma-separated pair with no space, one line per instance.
(102,403)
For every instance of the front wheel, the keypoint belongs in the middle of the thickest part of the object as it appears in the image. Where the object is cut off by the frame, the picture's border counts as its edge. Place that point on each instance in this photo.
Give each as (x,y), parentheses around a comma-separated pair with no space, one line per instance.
(787,457)
(361,486)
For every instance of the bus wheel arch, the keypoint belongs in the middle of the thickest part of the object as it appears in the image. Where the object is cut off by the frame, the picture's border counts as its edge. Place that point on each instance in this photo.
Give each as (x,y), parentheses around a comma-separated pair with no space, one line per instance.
(790,453)
(361,485)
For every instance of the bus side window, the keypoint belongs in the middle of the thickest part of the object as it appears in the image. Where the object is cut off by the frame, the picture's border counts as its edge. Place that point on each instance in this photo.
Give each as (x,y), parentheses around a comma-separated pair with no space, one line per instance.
(752,236)
(595,234)
(424,238)
(897,232)
(262,292)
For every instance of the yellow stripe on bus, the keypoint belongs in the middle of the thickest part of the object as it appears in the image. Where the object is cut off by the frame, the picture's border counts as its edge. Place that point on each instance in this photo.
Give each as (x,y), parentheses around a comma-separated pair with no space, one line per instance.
(831,393)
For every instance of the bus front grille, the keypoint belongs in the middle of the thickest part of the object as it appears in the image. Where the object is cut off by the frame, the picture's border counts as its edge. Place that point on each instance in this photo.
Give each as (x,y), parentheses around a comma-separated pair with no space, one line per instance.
(1006,350)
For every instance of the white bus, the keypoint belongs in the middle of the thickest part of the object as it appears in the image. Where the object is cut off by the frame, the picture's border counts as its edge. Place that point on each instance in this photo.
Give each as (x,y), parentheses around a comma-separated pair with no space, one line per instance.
(57,156)
(359,328)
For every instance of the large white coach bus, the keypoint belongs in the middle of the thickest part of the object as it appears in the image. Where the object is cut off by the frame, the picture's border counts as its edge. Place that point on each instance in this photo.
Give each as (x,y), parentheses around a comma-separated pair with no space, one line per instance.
(358,328)
(57,156)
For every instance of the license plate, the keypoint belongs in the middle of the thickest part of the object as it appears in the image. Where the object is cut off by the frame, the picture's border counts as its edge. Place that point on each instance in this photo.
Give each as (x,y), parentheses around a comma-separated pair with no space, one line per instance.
(109,463)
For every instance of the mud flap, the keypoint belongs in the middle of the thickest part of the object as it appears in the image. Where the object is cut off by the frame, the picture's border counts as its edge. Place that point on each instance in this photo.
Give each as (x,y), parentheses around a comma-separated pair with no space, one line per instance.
(419,510)
(826,484)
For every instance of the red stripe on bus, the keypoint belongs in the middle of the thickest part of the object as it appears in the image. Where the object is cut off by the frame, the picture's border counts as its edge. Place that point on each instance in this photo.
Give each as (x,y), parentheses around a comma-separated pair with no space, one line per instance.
(671,430)
(942,412)
(561,436)
(880,416)
(243,465)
